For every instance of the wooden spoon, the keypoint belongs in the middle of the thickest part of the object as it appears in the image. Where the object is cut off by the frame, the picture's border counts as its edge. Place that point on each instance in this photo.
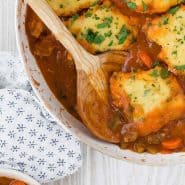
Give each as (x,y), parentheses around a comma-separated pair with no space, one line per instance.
(92,82)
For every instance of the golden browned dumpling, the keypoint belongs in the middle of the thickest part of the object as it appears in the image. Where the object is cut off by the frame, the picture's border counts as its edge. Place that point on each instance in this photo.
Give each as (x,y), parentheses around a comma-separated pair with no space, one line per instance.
(148,99)
(70,7)
(149,6)
(169,32)
(103,28)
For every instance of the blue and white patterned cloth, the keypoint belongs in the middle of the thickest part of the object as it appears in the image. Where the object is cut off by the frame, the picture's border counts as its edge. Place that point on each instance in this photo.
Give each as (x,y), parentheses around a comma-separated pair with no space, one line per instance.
(30,140)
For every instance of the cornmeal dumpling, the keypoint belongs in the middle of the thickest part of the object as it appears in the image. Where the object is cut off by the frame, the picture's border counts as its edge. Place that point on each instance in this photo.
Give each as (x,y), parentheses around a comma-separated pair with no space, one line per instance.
(149,6)
(149,99)
(169,32)
(103,28)
(70,7)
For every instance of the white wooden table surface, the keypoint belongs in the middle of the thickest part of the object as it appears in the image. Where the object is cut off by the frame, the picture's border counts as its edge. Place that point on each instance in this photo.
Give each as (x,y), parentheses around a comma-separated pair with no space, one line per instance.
(97,169)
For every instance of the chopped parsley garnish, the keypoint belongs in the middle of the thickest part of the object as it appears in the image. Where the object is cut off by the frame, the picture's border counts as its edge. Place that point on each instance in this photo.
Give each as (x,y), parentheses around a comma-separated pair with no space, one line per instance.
(182,67)
(164,20)
(74,17)
(123,35)
(106,23)
(156,63)
(61,6)
(145,7)
(88,14)
(132,5)
(110,43)
(109,19)
(102,25)
(173,10)
(94,37)
(155,73)
(99,39)
(164,73)
(94,3)
(108,34)
(174,52)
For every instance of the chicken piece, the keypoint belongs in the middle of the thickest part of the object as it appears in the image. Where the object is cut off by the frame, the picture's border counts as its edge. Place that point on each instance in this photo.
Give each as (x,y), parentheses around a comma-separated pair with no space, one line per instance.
(148,99)
(148,6)
(169,32)
(70,7)
(103,28)
(35,25)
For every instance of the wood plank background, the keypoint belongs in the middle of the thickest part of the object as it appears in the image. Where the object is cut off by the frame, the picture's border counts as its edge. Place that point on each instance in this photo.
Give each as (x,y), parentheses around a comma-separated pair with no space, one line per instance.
(97,168)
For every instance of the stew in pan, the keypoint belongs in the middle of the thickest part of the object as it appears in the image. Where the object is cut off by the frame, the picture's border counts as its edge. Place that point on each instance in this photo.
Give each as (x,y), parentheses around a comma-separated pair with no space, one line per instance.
(147,90)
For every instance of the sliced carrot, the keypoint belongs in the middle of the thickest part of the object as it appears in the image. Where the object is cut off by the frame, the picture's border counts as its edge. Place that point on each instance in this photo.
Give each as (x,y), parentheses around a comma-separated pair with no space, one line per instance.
(171,144)
(145,58)
(17,182)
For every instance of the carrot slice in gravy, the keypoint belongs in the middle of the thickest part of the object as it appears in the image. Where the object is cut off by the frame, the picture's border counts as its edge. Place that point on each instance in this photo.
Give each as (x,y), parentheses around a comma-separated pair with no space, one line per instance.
(172,143)
(145,59)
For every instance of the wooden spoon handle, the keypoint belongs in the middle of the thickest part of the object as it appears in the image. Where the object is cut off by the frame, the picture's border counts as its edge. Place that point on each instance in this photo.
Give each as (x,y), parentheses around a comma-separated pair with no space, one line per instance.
(53,22)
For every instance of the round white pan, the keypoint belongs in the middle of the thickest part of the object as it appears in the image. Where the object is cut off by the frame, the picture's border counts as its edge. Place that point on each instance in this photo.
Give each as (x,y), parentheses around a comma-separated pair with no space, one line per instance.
(68,121)
(12,174)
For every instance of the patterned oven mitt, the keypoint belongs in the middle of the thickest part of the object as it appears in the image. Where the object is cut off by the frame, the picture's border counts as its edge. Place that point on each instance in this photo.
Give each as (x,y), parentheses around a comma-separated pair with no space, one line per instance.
(30,140)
